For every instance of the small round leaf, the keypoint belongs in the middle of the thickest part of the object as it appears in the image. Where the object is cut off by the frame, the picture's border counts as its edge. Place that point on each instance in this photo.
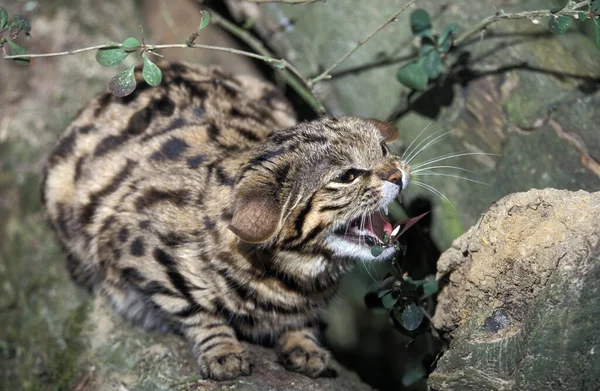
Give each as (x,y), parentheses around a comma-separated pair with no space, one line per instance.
(413,375)
(445,40)
(376,251)
(389,301)
(204,21)
(384,292)
(3,18)
(420,22)
(111,57)
(411,317)
(432,64)
(559,24)
(151,72)
(131,44)
(413,76)
(123,84)
(18,24)
(430,287)
(15,50)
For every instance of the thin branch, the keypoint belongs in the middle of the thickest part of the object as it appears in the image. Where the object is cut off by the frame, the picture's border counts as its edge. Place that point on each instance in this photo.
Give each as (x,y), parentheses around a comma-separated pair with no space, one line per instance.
(66,53)
(326,73)
(517,15)
(295,2)
(281,64)
(289,73)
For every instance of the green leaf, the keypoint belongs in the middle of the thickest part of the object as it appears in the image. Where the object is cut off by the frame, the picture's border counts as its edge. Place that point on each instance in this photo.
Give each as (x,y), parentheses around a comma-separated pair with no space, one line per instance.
(556,9)
(383,293)
(445,40)
(413,76)
(18,24)
(597,28)
(376,250)
(420,22)
(151,72)
(123,84)
(582,16)
(3,18)
(413,375)
(559,24)
(131,44)
(430,287)
(595,6)
(15,50)
(389,301)
(432,65)
(411,317)
(111,57)
(204,21)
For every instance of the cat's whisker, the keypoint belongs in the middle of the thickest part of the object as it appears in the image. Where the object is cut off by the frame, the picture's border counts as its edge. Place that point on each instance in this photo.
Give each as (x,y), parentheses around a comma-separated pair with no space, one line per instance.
(435,191)
(425,140)
(451,156)
(416,138)
(429,144)
(452,176)
(413,172)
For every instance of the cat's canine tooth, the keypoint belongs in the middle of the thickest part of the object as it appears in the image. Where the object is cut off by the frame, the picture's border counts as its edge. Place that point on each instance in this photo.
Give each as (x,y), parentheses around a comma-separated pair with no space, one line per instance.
(386,210)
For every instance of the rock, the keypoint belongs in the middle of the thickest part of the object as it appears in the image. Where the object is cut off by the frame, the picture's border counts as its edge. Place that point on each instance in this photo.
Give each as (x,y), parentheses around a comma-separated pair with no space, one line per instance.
(519,297)
(119,356)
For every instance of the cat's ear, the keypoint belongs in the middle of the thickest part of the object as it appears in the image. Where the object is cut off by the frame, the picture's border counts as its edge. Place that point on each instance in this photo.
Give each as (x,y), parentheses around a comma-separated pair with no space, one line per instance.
(256,214)
(388,131)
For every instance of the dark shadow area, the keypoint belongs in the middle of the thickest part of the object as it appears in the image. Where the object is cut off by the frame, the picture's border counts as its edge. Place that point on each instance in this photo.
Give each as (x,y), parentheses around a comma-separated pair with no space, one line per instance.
(441,93)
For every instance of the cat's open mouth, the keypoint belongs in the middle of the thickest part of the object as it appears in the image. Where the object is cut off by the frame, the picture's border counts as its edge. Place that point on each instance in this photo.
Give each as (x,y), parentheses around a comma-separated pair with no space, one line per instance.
(366,230)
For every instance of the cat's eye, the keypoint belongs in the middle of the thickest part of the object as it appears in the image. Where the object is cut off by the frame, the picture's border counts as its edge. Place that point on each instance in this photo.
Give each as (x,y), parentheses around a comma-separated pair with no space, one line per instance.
(348,176)
(384,149)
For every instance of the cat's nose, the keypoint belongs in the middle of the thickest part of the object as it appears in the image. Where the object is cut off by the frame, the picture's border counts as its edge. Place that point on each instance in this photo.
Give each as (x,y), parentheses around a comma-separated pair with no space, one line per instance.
(394,176)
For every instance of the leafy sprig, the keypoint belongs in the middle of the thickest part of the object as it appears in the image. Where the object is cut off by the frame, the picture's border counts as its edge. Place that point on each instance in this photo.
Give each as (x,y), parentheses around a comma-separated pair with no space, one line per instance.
(403,297)
(418,73)
(10,29)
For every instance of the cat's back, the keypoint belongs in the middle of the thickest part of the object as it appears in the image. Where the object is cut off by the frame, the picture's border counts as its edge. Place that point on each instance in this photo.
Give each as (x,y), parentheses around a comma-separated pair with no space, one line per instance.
(161,138)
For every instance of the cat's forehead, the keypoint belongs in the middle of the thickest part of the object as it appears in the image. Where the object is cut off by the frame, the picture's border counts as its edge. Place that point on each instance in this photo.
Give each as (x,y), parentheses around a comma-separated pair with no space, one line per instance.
(354,140)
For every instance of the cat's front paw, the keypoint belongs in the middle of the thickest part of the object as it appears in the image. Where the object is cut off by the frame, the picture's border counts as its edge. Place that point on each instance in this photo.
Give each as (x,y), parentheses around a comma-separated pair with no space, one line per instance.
(225,362)
(301,354)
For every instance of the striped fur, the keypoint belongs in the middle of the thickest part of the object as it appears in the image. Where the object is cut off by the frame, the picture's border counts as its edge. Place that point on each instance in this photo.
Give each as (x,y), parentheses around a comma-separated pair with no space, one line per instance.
(146,192)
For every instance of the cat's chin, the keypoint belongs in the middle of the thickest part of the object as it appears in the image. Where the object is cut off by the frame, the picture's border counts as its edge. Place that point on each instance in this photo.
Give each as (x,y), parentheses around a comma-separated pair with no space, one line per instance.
(350,249)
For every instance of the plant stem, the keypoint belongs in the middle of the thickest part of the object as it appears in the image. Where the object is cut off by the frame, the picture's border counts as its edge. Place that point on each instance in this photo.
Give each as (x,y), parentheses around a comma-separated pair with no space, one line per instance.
(290,74)
(295,2)
(66,53)
(288,77)
(326,73)
(517,15)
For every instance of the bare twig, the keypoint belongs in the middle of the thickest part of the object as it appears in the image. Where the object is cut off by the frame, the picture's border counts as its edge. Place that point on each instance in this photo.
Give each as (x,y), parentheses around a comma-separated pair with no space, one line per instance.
(517,15)
(289,73)
(326,73)
(295,2)
(56,54)
(267,59)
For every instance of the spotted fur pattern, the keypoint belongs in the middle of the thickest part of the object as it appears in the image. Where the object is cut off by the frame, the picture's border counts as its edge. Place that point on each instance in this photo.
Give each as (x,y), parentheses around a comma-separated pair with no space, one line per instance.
(201,206)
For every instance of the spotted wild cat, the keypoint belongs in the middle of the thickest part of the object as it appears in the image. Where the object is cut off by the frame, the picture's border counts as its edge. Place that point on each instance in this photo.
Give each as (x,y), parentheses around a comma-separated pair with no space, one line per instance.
(201,206)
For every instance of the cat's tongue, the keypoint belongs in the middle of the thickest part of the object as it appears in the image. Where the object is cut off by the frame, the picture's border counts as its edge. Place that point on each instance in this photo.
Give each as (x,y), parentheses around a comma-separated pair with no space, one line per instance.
(378,225)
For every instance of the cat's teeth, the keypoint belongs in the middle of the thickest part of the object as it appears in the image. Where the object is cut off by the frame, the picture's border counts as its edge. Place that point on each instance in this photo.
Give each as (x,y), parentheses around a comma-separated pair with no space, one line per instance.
(385,210)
